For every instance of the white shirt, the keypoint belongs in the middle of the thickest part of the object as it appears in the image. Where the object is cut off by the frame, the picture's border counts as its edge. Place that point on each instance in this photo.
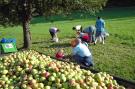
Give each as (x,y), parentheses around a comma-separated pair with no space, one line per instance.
(78,27)
(53,29)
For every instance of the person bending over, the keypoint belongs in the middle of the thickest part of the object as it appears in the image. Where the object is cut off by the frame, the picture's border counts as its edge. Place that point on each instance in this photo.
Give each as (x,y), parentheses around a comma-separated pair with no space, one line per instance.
(53,32)
(90,30)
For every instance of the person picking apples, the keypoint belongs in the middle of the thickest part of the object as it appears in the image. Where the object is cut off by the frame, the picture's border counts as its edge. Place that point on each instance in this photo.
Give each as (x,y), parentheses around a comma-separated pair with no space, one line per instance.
(81,53)
(53,32)
(83,36)
(90,30)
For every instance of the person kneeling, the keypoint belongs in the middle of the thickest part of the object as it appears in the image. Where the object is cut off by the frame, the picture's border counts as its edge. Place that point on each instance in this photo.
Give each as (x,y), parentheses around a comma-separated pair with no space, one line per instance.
(81,53)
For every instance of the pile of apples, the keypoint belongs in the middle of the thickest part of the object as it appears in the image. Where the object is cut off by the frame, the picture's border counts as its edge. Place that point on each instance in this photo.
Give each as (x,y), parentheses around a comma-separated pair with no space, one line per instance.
(31,70)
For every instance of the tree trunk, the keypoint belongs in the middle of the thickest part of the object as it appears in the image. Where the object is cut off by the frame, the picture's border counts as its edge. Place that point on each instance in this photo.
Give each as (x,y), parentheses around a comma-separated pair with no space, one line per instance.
(26,35)
(26,23)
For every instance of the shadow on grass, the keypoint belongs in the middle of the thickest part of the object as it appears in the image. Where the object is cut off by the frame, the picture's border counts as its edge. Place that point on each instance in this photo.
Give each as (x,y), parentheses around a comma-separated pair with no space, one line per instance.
(107,13)
(39,42)
(60,45)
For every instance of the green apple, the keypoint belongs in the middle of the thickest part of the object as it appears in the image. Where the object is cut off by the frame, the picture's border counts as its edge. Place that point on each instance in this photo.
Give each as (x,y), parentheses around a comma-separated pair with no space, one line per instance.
(34,71)
(99,87)
(24,86)
(77,86)
(49,83)
(19,68)
(30,77)
(54,74)
(98,78)
(63,78)
(65,85)
(5,78)
(94,84)
(42,78)
(33,81)
(52,78)
(58,85)
(5,72)
(28,87)
(57,80)
(35,86)
(115,82)
(47,87)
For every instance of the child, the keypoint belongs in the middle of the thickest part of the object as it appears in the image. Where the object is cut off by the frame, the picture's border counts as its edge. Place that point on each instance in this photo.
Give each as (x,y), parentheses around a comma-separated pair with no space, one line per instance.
(105,34)
(81,53)
(83,36)
(83,42)
(53,32)
(60,54)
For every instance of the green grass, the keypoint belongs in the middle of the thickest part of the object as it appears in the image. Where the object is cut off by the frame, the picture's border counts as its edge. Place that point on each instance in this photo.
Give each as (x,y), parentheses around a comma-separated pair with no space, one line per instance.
(116,57)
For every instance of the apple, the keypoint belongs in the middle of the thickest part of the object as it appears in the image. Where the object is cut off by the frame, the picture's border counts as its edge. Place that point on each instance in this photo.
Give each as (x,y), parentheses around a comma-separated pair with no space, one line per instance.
(58,85)
(34,71)
(42,79)
(65,85)
(5,72)
(47,74)
(51,78)
(94,84)
(98,78)
(28,87)
(57,80)
(81,81)
(56,69)
(24,86)
(115,82)
(77,86)
(30,66)
(19,68)
(49,83)
(110,86)
(47,87)
(31,70)
(72,82)
(63,78)
(54,74)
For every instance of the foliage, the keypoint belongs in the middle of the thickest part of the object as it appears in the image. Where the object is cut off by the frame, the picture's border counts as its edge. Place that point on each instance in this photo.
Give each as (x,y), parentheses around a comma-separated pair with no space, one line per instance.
(13,12)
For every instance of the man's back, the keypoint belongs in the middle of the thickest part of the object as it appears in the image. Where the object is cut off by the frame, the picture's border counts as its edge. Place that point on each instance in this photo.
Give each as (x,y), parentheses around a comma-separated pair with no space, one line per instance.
(82,50)
(100,23)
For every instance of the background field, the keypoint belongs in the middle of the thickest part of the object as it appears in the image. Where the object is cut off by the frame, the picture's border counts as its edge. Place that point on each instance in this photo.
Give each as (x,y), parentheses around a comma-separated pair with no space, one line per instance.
(116,57)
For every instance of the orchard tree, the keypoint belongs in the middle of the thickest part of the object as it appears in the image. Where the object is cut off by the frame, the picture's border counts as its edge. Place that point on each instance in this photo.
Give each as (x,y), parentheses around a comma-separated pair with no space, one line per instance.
(20,12)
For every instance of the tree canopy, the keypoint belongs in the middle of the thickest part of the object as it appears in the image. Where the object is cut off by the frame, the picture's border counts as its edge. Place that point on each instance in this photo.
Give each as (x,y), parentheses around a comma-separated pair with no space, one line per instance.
(16,12)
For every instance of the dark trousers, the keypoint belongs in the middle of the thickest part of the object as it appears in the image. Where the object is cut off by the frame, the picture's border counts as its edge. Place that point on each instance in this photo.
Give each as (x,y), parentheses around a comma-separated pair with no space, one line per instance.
(52,34)
(87,61)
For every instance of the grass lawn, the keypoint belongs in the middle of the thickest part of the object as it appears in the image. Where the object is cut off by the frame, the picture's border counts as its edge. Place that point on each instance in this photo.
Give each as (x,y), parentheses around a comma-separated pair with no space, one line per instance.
(116,57)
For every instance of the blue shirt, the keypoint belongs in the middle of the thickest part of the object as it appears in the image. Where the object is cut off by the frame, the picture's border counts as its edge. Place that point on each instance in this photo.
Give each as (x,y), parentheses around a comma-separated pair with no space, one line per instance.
(81,50)
(100,24)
